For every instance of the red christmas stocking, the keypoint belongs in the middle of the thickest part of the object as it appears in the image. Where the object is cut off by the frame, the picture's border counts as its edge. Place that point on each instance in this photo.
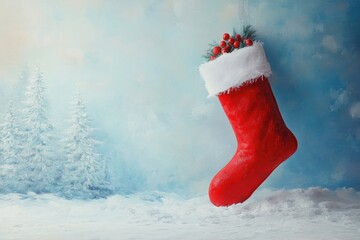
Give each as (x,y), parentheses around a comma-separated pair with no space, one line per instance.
(240,80)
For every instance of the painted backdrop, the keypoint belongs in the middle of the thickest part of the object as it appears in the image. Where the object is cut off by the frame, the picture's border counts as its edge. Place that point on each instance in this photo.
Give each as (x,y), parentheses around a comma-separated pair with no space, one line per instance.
(136,65)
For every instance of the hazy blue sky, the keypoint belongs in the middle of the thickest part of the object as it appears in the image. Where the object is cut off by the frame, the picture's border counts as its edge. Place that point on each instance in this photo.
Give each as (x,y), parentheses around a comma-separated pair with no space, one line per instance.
(136,64)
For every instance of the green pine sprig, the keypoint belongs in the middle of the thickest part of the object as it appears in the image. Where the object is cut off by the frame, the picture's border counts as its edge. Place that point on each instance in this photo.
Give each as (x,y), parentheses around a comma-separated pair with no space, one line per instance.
(249,32)
(209,52)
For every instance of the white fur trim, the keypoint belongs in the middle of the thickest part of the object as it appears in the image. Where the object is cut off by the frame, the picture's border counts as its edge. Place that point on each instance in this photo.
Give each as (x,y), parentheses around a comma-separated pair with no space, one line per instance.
(233,69)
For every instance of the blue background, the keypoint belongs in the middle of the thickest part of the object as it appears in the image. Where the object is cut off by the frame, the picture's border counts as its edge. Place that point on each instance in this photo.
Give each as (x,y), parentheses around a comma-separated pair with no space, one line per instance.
(317,85)
(136,64)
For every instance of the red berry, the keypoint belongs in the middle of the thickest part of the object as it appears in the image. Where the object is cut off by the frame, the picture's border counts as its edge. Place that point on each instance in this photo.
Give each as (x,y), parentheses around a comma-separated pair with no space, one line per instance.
(231,41)
(226,49)
(236,44)
(248,42)
(222,44)
(216,50)
(238,37)
(226,36)
(212,58)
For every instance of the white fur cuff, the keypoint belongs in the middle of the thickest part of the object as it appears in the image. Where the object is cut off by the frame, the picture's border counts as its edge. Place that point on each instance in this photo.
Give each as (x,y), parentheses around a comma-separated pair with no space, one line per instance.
(233,69)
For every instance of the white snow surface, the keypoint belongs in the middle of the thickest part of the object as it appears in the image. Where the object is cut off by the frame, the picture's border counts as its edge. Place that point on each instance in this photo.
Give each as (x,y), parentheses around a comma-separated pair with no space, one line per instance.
(314,213)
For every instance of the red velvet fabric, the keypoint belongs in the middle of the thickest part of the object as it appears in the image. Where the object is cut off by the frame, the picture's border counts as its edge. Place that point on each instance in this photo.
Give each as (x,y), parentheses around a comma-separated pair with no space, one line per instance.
(263,140)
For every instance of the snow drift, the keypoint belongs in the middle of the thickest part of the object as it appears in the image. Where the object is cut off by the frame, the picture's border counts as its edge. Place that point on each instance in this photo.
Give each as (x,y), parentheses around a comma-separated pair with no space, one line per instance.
(314,213)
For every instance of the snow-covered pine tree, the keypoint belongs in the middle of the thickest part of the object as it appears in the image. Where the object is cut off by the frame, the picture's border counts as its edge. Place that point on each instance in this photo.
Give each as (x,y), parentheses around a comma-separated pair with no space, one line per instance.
(10,154)
(20,87)
(37,171)
(85,172)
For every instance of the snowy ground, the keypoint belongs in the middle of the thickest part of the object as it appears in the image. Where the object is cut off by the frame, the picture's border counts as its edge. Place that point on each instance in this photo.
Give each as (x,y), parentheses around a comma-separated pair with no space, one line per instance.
(313,213)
